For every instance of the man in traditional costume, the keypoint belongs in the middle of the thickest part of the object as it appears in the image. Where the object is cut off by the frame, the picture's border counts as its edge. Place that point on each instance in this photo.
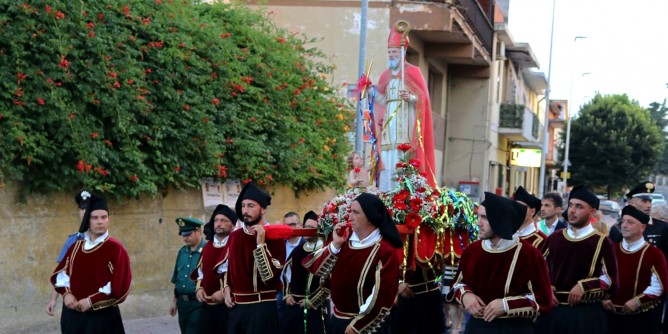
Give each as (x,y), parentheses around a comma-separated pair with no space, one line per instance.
(253,268)
(502,280)
(528,230)
(404,112)
(583,270)
(302,290)
(93,277)
(642,279)
(656,232)
(361,267)
(81,198)
(213,315)
(184,302)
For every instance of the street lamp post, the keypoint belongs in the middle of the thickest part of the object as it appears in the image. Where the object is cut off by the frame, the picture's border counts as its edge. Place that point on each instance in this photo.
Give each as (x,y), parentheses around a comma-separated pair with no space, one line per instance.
(546,130)
(570,115)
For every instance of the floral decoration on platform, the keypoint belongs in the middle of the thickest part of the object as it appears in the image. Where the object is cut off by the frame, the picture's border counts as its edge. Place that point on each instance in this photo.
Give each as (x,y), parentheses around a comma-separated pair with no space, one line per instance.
(412,202)
(336,210)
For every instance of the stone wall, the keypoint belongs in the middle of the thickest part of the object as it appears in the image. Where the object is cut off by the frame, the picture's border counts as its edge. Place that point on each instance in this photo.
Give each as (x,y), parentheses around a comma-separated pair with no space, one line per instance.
(33,233)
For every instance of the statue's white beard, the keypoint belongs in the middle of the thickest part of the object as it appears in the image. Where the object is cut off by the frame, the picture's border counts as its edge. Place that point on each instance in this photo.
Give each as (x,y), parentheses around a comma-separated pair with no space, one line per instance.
(393,64)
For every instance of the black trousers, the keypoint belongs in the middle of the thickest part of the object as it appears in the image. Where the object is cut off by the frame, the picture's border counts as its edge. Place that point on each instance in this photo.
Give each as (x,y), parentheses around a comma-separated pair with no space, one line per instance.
(213,319)
(641,323)
(500,326)
(291,320)
(256,318)
(105,321)
(583,318)
(422,314)
(337,325)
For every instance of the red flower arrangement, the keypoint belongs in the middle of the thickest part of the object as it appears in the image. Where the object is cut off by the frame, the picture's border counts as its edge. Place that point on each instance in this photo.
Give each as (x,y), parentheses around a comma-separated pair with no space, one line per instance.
(403,147)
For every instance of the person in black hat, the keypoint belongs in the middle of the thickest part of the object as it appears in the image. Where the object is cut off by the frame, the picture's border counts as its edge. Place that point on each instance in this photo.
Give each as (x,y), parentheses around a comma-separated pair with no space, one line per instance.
(214,312)
(185,302)
(81,198)
(253,267)
(502,280)
(656,232)
(583,270)
(302,290)
(528,230)
(642,279)
(361,266)
(93,277)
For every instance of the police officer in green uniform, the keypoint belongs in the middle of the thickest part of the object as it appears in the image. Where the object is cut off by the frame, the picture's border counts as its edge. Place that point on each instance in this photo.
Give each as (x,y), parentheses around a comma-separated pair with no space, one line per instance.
(184,302)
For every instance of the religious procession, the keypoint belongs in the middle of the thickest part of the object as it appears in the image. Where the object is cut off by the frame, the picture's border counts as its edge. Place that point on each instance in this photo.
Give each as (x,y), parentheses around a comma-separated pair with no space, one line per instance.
(399,249)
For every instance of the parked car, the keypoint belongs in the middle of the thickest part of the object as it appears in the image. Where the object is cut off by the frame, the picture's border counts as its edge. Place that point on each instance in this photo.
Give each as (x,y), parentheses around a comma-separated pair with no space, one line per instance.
(658,200)
(610,208)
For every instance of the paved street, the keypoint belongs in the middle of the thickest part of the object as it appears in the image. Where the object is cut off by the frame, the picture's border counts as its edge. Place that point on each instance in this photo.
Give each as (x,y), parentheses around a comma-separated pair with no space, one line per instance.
(160,325)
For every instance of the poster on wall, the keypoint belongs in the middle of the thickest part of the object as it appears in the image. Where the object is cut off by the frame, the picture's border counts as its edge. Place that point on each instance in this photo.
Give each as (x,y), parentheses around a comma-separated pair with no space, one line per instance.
(232,188)
(212,192)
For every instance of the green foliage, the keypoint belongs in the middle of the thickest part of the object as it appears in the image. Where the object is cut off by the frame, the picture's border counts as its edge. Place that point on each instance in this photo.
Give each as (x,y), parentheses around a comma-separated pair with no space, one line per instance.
(657,112)
(614,143)
(511,115)
(130,97)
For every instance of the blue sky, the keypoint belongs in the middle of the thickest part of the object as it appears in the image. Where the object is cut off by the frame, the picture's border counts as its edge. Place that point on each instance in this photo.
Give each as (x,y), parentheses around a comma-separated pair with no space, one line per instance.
(625,50)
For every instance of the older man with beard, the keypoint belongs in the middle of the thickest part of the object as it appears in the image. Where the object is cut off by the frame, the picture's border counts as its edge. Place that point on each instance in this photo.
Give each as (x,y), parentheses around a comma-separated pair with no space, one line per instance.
(404,112)
(253,267)
(583,270)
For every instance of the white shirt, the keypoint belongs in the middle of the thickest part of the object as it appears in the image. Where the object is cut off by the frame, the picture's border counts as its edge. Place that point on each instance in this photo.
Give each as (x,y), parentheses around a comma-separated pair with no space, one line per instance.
(289,247)
(502,245)
(220,243)
(523,232)
(581,233)
(355,241)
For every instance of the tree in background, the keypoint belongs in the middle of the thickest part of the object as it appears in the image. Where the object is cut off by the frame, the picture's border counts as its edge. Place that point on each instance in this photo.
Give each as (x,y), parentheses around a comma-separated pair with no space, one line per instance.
(614,143)
(130,97)
(658,113)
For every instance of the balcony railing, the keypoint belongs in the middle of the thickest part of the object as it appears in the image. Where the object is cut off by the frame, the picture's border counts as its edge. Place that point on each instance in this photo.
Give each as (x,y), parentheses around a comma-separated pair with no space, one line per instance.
(518,123)
(479,22)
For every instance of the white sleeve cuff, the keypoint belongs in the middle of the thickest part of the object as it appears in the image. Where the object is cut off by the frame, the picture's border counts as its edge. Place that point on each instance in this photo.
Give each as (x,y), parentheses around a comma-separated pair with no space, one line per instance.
(106,289)
(333,249)
(62,280)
